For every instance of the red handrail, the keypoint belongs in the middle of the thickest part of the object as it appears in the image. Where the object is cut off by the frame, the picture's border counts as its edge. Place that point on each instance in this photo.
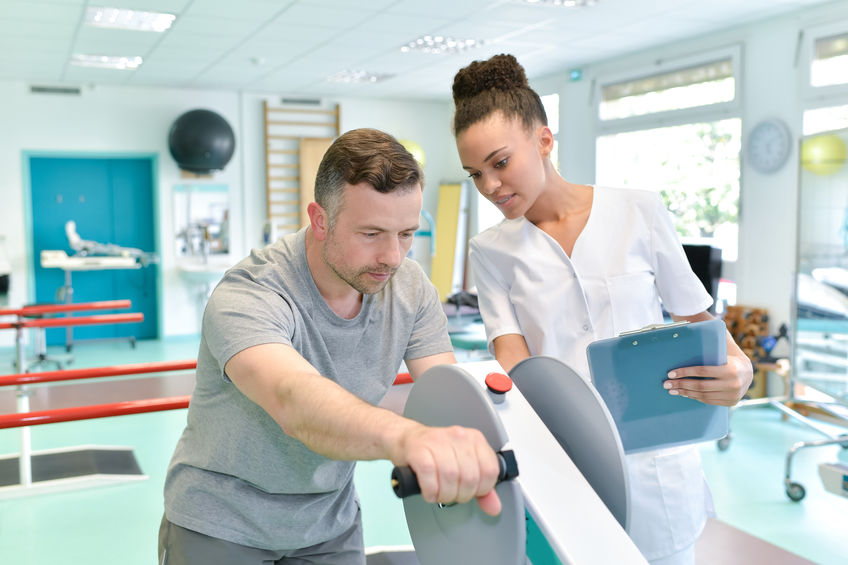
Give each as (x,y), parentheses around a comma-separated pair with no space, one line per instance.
(96,372)
(105,410)
(37,309)
(95,411)
(62,322)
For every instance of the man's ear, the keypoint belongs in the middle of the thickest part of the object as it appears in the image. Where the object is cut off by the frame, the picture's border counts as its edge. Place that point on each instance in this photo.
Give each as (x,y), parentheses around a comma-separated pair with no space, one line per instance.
(319,220)
(546,140)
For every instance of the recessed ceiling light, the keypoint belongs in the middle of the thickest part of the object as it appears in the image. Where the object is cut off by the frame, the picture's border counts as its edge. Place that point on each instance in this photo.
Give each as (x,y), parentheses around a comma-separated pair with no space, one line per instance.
(440,45)
(358,76)
(563,3)
(106,62)
(118,18)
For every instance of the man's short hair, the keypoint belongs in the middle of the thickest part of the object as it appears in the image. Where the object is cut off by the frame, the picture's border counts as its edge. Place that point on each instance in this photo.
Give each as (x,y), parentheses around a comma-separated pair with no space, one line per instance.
(364,155)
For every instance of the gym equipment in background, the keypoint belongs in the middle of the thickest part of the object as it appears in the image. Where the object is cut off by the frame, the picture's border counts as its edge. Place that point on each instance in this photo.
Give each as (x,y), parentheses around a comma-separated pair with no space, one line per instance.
(201,141)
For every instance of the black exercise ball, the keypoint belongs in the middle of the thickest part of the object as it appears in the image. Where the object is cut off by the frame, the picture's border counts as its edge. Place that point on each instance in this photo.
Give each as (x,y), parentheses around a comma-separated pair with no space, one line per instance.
(201,141)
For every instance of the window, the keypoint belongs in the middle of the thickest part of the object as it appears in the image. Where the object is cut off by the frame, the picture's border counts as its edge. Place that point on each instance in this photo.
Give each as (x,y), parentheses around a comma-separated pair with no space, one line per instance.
(674,127)
(829,118)
(830,60)
(695,167)
(698,85)
(826,89)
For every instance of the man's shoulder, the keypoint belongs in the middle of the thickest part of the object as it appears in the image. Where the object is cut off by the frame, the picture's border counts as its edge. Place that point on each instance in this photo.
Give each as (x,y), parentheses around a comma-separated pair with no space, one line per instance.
(276,262)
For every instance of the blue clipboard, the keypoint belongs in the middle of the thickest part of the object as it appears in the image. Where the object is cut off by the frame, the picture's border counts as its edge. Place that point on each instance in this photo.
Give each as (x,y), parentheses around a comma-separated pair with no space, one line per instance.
(628,371)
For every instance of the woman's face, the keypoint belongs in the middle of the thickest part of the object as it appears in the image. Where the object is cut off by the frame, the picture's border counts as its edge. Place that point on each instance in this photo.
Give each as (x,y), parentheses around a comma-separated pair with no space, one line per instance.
(506,161)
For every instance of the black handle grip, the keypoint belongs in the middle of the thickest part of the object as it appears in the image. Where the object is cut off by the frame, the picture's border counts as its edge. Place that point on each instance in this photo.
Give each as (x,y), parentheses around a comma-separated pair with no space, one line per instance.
(405,483)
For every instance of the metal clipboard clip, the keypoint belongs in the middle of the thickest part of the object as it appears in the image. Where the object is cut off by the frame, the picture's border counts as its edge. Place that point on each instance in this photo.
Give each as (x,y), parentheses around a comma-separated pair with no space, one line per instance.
(651,327)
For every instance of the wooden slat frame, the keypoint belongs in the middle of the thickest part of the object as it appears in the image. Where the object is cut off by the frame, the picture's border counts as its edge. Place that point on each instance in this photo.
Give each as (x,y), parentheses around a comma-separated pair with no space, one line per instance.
(278,141)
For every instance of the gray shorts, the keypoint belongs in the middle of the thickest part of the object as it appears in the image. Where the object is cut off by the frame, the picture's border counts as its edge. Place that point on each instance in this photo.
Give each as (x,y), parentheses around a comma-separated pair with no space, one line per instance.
(179,546)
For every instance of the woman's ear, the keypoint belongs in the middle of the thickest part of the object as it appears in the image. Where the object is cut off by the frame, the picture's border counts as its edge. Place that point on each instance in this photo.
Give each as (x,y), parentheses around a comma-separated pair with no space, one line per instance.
(318,220)
(546,140)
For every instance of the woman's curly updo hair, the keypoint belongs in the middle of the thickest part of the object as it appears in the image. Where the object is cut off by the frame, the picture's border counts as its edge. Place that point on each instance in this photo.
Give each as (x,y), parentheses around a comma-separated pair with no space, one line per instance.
(496,84)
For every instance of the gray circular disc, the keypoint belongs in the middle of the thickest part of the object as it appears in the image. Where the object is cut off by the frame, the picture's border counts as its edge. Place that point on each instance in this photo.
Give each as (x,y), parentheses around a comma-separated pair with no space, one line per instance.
(463,534)
(576,415)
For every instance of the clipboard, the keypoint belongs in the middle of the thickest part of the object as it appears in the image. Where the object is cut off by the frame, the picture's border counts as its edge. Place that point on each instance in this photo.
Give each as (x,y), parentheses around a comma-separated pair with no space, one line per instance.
(628,372)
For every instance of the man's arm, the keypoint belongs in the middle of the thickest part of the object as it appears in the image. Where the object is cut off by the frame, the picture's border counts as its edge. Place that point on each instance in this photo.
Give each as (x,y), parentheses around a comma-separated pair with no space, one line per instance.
(453,464)
(728,383)
(418,366)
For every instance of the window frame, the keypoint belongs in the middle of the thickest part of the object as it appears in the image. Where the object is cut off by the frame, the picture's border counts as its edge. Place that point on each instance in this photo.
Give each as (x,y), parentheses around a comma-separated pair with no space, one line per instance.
(709,112)
(819,96)
(698,114)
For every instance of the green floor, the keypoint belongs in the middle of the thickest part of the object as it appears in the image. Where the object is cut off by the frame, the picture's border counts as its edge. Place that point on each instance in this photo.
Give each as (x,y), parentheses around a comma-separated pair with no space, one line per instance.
(118,524)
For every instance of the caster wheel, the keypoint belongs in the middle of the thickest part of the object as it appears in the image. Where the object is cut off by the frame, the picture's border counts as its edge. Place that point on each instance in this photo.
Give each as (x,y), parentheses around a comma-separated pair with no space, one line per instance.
(796,492)
(723,443)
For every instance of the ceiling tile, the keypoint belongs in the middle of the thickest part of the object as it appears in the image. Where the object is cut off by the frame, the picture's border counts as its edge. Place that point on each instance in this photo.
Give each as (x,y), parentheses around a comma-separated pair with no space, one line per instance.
(243,9)
(218,25)
(320,16)
(44,32)
(401,26)
(165,6)
(287,31)
(294,44)
(465,9)
(115,42)
(68,13)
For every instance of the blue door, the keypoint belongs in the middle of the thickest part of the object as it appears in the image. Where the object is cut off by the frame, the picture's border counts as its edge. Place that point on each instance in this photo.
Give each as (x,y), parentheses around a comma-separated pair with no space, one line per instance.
(111,201)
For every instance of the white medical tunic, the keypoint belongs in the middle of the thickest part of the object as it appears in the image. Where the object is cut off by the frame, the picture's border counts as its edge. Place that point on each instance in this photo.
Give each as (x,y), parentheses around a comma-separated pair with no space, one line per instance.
(626,259)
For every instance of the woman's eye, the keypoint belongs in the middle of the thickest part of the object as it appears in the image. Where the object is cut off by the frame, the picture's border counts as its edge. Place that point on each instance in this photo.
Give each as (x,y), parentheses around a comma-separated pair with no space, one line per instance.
(474,175)
(502,163)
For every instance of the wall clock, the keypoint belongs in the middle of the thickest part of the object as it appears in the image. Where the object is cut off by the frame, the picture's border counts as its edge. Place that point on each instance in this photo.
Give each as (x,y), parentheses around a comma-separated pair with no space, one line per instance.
(769,145)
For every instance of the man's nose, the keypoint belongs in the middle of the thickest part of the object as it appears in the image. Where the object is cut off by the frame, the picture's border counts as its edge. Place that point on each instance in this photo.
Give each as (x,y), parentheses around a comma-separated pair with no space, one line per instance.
(391,252)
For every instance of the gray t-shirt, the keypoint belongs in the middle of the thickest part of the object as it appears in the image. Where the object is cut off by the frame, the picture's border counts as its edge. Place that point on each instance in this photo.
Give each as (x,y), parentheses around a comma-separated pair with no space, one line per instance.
(235,474)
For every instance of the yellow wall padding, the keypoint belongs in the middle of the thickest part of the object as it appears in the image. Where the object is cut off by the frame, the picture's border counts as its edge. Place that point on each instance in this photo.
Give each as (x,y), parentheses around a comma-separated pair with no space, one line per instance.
(447,223)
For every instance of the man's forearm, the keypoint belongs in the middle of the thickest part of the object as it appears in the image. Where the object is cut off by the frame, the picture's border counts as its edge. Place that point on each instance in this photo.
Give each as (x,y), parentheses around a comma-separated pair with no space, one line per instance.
(335,423)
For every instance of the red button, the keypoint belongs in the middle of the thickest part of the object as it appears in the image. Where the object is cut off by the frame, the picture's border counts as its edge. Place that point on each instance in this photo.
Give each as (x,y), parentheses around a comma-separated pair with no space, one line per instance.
(498,382)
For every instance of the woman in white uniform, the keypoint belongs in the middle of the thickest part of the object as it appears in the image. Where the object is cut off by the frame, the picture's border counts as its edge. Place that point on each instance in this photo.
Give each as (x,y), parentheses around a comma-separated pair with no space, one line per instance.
(572,264)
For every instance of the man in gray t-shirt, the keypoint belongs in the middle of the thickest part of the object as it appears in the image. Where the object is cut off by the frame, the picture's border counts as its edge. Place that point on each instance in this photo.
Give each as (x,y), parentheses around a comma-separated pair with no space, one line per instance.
(300,341)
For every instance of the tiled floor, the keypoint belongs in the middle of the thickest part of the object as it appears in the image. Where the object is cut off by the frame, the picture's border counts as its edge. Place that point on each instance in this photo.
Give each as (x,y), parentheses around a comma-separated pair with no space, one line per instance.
(118,524)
